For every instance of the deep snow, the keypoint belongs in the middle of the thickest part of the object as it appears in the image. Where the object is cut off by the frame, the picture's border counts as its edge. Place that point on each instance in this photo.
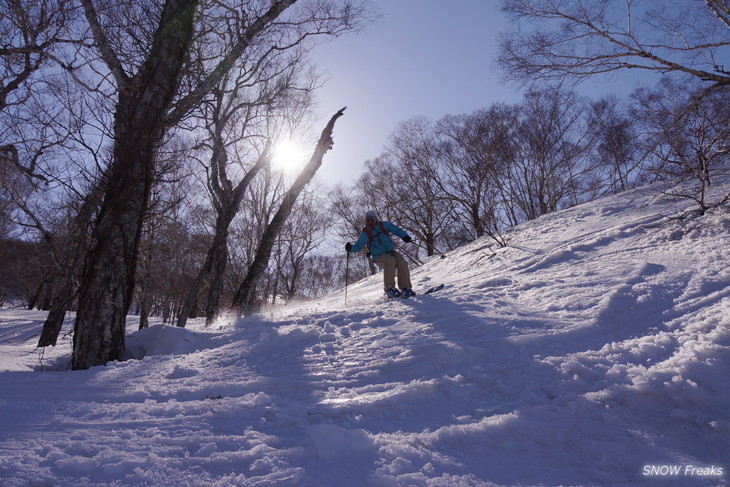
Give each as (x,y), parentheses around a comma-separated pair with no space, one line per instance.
(593,350)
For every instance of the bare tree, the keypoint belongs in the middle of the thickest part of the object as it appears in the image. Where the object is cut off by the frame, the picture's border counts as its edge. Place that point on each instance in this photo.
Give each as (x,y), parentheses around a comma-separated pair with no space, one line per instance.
(617,145)
(59,136)
(582,38)
(47,203)
(22,266)
(145,63)
(171,257)
(414,174)
(688,137)
(323,274)
(477,150)
(348,205)
(239,119)
(144,98)
(303,233)
(31,123)
(30,31)
(159,247)
(552,147)
(245,295)
(227,198)
(69,251)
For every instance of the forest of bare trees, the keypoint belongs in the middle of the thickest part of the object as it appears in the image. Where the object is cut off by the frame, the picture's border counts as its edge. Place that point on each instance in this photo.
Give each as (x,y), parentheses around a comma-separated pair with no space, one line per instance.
(135,158)
(104,102)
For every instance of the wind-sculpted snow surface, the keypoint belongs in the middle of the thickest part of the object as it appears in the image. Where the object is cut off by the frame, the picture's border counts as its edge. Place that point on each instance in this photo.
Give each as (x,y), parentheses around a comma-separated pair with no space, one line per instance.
(593,350)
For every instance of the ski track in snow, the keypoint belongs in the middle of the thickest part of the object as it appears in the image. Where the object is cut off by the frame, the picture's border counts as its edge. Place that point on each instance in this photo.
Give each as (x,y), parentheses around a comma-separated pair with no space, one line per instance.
(595,344)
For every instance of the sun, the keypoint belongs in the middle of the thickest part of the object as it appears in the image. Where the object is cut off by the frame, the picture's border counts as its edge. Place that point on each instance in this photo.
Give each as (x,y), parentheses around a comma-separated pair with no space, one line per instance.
(288,155)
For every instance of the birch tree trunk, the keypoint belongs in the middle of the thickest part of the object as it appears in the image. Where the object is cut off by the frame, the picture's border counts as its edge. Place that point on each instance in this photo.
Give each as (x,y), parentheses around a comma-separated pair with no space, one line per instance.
(107,280)
(244,298)
(228,202)
(143,113)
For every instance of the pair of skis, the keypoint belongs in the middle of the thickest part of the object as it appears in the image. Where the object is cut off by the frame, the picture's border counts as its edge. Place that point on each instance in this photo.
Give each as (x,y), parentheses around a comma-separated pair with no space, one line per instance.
(428,291)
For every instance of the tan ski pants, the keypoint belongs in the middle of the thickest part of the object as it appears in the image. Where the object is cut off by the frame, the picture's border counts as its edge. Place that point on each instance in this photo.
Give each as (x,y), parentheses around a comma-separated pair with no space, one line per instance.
(389,263)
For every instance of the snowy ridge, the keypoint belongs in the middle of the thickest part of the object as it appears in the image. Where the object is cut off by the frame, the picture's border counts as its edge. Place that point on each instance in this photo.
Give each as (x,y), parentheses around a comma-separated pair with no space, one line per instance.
(593,350)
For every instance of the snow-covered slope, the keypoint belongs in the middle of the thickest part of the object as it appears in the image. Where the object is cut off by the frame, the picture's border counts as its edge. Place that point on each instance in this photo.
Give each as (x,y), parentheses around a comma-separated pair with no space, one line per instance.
(593,350)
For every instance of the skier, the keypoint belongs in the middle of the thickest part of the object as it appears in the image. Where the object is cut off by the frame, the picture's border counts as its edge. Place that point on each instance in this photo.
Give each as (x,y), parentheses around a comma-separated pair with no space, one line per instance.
(376,236)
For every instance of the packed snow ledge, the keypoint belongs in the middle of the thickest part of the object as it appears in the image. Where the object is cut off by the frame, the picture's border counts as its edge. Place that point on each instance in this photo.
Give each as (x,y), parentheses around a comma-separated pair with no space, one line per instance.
(593,350)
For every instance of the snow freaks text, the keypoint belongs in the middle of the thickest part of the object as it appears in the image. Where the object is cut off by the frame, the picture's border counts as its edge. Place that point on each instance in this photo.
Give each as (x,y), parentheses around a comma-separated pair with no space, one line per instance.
(681,471)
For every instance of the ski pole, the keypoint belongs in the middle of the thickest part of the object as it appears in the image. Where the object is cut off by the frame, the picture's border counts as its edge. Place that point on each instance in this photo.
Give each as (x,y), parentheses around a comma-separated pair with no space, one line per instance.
(347,275)
(443,256)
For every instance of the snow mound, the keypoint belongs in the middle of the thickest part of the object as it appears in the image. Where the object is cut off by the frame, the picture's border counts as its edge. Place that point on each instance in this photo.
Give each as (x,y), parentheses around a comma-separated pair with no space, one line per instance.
(164,340)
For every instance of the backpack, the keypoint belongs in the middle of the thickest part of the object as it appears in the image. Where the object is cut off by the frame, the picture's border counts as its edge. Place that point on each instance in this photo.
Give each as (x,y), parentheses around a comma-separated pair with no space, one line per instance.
(370,234)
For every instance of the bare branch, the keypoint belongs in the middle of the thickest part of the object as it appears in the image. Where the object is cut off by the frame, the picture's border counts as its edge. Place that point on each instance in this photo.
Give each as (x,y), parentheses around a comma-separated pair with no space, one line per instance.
(721,9)
(102,43)
(205,86)
(591,38)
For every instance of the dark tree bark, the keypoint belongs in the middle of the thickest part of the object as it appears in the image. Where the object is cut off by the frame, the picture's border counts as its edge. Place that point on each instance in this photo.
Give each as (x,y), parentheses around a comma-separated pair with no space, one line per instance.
(141,119)
(60,304)
(108,276)
(71,260)
(244,298)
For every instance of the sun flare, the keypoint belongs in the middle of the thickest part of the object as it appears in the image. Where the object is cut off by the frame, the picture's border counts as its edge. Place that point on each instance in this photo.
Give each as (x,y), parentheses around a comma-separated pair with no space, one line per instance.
(288,155)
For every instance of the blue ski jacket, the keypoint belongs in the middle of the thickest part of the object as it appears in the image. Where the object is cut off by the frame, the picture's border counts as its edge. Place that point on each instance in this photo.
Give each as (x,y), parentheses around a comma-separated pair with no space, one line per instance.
(378,241)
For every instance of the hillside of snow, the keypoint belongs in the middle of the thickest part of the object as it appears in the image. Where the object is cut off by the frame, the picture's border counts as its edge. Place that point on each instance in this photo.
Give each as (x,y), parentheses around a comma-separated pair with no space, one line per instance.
(593,350)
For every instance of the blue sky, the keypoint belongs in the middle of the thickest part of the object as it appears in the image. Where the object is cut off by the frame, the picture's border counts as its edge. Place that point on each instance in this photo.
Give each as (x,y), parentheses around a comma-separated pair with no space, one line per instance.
(425,57)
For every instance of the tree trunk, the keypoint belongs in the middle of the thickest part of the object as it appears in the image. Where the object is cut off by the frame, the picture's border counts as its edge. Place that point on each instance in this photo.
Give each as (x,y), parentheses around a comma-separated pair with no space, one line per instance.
(140,121)
(145,304)
(59,306)
(215,286)
(144,315)
(107,281)
(71,260)
(244,298)
(40,297)
(217,257)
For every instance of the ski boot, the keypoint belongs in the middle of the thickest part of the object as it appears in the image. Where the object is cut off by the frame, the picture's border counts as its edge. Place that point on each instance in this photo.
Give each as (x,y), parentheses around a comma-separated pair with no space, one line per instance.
(407,293)
(393,293)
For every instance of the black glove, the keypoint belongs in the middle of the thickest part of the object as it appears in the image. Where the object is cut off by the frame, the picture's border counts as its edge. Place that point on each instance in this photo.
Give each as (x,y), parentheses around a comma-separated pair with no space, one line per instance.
(407,239)
(348,246)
